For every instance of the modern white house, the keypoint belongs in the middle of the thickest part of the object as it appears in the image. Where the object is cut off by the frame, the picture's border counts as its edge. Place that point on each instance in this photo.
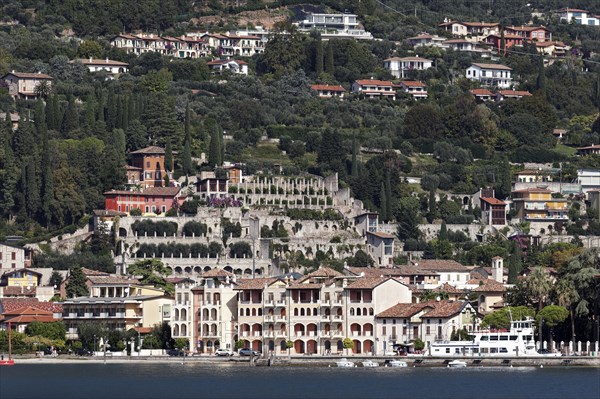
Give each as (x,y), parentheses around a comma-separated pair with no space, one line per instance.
(373,88)
(399,67)
(417,89)
(490,75)
(234,66)
(334,25)
(113,68)
(589,179)
(580,17)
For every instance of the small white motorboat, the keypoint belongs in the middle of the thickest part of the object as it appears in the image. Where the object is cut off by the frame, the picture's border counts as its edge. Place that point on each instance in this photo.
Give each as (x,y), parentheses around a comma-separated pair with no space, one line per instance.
(345,363)
(395,363)
(370,363)
(457,364)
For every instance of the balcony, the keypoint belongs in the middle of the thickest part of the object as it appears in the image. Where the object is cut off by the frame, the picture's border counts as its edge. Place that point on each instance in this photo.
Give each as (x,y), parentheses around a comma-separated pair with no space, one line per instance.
(269,304)
(325,318)
(337,302)
(280,319)
(269,319)
(280,303)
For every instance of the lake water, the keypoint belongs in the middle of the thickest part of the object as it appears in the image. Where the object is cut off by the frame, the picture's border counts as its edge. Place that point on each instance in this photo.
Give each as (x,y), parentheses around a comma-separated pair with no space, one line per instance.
(193,380)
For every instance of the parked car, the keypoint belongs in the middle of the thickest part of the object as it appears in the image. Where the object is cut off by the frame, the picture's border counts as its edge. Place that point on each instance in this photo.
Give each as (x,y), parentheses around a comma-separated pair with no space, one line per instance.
(224,352)
(248,352)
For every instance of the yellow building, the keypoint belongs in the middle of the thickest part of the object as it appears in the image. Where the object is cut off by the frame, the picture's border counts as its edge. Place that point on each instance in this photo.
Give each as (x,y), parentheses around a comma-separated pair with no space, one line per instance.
(538,205)
(21,278)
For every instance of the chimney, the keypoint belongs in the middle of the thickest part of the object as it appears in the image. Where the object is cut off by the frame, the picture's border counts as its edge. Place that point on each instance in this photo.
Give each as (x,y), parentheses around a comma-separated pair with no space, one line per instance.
(91,59)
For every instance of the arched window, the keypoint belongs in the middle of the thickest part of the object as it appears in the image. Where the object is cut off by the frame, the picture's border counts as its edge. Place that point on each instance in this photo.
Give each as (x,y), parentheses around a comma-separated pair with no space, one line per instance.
(351,311)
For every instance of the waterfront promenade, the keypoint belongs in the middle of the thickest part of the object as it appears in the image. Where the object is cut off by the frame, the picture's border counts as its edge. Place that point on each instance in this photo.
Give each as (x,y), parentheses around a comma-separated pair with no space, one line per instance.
(326,361)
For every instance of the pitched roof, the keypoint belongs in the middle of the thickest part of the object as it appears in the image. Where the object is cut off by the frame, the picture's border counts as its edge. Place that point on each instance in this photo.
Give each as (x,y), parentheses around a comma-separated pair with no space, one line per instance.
(364,82)
(445,308)
(516,93)
(216,272)
(440,265)
(324,272)
(89,272)
(222,62)
(112,280)
(491,66)
(413,83)
(163,191)
(255,283)
(11,272)
(381,234)
(26,75)
(94,61)
(150,150)
(404,310)
(12,305)
(492,201)
(534,190)
(14,291)
(369,282)
(487,285)
(481,92)
(327,87)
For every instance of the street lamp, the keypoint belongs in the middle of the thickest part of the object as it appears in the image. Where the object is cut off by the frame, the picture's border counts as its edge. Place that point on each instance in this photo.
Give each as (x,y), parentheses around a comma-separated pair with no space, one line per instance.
(94,350)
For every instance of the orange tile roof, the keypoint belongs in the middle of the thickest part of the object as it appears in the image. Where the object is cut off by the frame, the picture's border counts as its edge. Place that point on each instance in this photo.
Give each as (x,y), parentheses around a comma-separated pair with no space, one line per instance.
(26,75)
(487,285)
(12,305)
(381,234)
(364,82)
(413,83)
(492,201)
(481,92)
(522,93)
(327,87)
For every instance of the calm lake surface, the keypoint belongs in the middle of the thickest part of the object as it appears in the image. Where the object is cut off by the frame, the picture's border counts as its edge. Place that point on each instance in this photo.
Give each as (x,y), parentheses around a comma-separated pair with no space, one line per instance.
(180,381)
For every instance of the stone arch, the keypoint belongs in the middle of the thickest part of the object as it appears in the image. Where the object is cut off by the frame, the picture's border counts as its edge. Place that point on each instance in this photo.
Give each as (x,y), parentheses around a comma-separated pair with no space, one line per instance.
(197,269)
(188,269)
(178,270)
(206,268)
(228,269)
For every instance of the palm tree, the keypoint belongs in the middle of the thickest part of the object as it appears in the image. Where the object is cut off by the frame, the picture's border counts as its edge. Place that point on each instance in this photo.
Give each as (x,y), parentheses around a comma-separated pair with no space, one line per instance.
(567,296)
(540,285)
(42,89)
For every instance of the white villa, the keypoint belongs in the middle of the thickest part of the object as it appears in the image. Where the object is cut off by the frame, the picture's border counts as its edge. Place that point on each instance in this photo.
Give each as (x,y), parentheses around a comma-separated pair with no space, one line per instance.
(399,67)
(490,75)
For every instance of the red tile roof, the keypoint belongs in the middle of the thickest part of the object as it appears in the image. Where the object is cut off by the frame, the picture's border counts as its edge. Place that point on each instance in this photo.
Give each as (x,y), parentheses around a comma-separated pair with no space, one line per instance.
(445,309)
(90,272)
(13,305)
(255,283)
(381,234)
(516,93)
(369,282)
(487,285)
(19,291)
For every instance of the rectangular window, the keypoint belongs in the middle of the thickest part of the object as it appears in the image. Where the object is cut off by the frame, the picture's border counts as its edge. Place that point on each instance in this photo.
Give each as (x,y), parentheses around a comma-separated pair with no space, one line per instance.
(428,330)
(14,256)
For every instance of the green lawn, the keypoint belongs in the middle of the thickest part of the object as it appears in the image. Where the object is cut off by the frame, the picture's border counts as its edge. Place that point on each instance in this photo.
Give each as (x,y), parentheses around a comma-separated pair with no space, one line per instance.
(565,150)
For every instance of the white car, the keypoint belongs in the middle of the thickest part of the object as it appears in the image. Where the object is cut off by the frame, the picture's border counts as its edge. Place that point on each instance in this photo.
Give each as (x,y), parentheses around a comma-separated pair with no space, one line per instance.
(224,352)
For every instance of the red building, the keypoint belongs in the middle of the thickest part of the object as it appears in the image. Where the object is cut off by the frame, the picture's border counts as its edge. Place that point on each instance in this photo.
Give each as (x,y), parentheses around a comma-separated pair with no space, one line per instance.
(531,33)
(153,199)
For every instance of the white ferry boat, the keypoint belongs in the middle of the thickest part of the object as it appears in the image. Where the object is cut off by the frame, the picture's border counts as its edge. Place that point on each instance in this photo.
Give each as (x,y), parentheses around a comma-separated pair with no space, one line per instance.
(518,341)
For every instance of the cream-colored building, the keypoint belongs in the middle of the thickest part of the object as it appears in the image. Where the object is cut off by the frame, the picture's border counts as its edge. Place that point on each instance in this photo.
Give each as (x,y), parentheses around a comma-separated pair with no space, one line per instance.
(215,311)
(117,313)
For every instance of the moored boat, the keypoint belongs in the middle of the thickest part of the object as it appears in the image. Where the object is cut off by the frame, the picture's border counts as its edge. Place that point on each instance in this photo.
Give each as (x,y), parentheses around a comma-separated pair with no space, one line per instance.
(517,341)
(395,363)
(370,363)
(344,363)
(457,364)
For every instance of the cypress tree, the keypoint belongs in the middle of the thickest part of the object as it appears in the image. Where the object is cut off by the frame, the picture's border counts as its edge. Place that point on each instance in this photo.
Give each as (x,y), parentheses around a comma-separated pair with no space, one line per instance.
(354,171)
(41,128)
(47,186)
(71,119)
(215,154)
(32,188)
(443,232)
(187,144)
(111,111)
(319,56)
(388,194)
(90,113)
(50,112)
(169,157)
(541,78)
(8,168)
(100,106)
(329,67)
(131,114)
(432,207)
(383,203)
(516,263)
(76,286)
(502,49)
(119,112)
